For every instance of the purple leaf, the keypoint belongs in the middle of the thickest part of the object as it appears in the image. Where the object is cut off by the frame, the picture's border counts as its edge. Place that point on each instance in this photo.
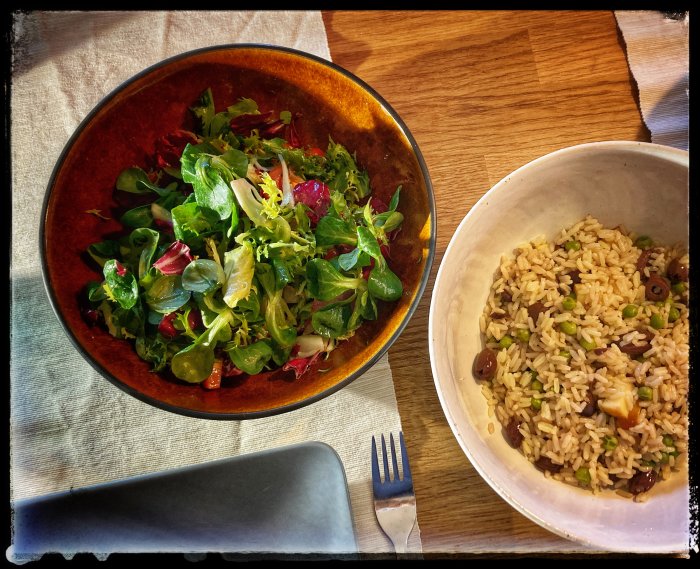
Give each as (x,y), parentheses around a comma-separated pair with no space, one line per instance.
(174,260)
(316,196)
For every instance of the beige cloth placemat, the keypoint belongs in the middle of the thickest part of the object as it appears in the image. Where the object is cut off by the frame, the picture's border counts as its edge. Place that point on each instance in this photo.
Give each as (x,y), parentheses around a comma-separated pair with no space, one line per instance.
(658,54)
(69,427)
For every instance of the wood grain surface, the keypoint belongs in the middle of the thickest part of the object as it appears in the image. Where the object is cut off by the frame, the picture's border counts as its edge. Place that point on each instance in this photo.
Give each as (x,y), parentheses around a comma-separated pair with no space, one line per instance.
(482,92)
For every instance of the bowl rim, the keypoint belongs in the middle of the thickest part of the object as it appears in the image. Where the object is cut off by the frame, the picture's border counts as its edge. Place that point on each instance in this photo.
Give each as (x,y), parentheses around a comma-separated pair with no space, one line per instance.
(662,151)
(431,242)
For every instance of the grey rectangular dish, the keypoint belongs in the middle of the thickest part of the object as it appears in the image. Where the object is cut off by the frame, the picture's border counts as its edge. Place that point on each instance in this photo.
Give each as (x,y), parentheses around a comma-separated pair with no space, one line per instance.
(286,501)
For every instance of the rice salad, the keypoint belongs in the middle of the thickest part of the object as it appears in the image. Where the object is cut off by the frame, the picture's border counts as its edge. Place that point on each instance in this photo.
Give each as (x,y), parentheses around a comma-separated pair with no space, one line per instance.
(585,362)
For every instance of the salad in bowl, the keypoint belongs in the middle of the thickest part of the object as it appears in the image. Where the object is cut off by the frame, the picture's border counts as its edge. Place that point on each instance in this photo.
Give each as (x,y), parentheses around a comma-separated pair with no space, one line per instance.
(243,249)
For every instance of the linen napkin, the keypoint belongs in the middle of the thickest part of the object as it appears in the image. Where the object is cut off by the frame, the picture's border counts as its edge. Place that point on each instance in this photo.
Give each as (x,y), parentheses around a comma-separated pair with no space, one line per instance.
(69,427)
(657,52)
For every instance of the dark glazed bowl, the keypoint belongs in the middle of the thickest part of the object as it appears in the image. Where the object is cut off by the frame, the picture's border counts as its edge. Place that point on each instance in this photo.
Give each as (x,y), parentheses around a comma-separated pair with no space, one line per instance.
(121,131)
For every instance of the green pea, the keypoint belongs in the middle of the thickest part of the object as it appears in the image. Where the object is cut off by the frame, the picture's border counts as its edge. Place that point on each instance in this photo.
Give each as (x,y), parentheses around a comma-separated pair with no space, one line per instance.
(583,475)
(645,393)
(522,334)
(533,374)
(630,311)
(536,404)
(657,321)
(610,442)
(674,453)
(668,441)
(586,345)
(569,328)
(505,342)
(643,242)
(678,288)
(568,303)
(565,353)
(664,458)
(537,385)
(572,245)
(673,314)
(572,294)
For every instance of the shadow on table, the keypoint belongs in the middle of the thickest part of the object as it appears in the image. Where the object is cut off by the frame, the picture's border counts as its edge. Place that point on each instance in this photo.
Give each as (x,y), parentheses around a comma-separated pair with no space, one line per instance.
(361,50)
(670,117)
(26,39)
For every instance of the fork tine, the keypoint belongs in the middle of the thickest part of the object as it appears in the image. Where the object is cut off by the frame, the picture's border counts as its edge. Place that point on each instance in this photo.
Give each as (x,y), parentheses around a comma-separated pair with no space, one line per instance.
(376,478)
(393,456)
(404,459)
(387,475)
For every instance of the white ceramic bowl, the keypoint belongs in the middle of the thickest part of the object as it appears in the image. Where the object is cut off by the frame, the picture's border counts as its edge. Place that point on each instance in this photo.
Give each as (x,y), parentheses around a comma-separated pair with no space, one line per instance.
(639,185)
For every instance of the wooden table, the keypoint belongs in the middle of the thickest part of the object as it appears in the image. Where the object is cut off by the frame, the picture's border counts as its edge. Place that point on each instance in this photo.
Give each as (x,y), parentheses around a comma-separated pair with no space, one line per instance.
(483,92)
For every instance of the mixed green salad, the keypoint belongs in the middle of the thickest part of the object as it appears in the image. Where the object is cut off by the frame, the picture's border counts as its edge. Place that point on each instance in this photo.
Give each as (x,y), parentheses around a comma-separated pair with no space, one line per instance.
(248,251)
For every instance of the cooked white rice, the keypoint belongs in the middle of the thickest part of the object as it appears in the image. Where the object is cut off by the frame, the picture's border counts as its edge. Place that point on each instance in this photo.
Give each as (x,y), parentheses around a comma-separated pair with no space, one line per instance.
(571,375)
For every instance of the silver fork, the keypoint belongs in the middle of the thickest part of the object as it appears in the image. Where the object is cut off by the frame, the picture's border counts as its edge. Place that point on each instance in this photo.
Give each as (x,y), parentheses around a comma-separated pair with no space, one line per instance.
(394,499)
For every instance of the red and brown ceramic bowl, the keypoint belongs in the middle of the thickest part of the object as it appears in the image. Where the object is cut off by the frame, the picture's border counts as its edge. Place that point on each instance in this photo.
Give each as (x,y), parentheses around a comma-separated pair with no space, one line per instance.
(122,132)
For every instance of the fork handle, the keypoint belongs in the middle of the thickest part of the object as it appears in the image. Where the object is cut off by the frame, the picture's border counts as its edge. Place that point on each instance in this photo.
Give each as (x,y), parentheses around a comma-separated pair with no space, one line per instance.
(403,553)
(401,549)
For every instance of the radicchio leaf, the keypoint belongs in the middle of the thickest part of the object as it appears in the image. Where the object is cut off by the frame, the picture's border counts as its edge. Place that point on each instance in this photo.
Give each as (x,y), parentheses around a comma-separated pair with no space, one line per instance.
(194,319)
(316,196)
(292,136)
(166,327)
(230,370)
(267,127)
(170,146)
(300,365)
(175,259)
(378,204)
